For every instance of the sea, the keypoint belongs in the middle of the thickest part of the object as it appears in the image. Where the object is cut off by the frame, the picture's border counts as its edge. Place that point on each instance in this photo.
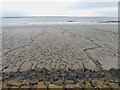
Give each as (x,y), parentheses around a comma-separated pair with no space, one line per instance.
(53,20)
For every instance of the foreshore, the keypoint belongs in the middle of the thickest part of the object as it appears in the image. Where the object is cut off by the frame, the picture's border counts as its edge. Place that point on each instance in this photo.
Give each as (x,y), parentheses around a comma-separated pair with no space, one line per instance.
(60,53)
(92,47)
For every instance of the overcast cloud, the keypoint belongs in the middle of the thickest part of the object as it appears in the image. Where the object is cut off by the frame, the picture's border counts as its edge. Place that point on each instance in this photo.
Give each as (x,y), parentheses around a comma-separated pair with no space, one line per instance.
(60,8)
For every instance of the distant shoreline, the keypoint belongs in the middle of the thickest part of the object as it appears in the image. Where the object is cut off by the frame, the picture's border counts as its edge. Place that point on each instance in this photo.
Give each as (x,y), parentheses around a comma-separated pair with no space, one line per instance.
(53,16)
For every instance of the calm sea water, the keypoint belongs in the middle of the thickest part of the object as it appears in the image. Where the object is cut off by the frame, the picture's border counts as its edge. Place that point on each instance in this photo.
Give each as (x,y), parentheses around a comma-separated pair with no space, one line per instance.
(55,20)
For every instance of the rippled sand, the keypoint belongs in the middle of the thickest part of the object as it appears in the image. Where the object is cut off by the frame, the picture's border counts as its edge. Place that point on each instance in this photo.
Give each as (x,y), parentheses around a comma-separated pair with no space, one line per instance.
(60,46)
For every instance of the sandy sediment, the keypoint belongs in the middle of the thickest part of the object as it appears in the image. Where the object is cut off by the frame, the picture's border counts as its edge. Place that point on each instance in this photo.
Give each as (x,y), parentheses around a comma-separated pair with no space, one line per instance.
(42,53)
(60,47)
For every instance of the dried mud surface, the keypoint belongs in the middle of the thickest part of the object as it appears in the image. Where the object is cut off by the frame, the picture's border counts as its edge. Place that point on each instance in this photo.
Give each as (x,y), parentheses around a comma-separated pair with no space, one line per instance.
(60,52)
(60,47)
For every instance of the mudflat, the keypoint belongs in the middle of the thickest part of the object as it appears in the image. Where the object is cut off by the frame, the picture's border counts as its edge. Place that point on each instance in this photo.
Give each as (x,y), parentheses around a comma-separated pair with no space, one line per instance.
(90,46)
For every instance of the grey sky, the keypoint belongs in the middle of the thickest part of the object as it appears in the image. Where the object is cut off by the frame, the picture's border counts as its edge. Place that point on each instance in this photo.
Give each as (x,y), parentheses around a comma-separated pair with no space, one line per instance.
(89,5)
(60,8)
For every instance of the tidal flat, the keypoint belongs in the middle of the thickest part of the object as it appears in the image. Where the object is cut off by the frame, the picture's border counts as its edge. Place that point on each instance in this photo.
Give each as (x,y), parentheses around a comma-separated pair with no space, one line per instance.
(57,46)
(53,52)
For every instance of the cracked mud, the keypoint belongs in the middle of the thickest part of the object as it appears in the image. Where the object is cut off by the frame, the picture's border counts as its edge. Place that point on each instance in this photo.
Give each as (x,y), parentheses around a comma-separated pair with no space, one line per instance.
(29,52)
(60,47)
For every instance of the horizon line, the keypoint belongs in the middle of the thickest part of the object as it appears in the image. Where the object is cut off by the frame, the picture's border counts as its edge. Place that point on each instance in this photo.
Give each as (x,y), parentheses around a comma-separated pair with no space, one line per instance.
(50,16)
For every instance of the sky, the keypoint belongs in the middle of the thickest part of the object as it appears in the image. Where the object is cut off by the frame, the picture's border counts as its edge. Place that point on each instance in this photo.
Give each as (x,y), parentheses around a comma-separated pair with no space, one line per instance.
(87,8)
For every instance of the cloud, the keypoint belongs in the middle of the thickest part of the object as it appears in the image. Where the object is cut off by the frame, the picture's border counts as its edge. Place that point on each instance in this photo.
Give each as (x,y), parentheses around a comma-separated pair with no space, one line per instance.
(60,9)
(49,8)
(41,0)
(12,14)
(59,0)
(95,8)
(90,5)
(95,12)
